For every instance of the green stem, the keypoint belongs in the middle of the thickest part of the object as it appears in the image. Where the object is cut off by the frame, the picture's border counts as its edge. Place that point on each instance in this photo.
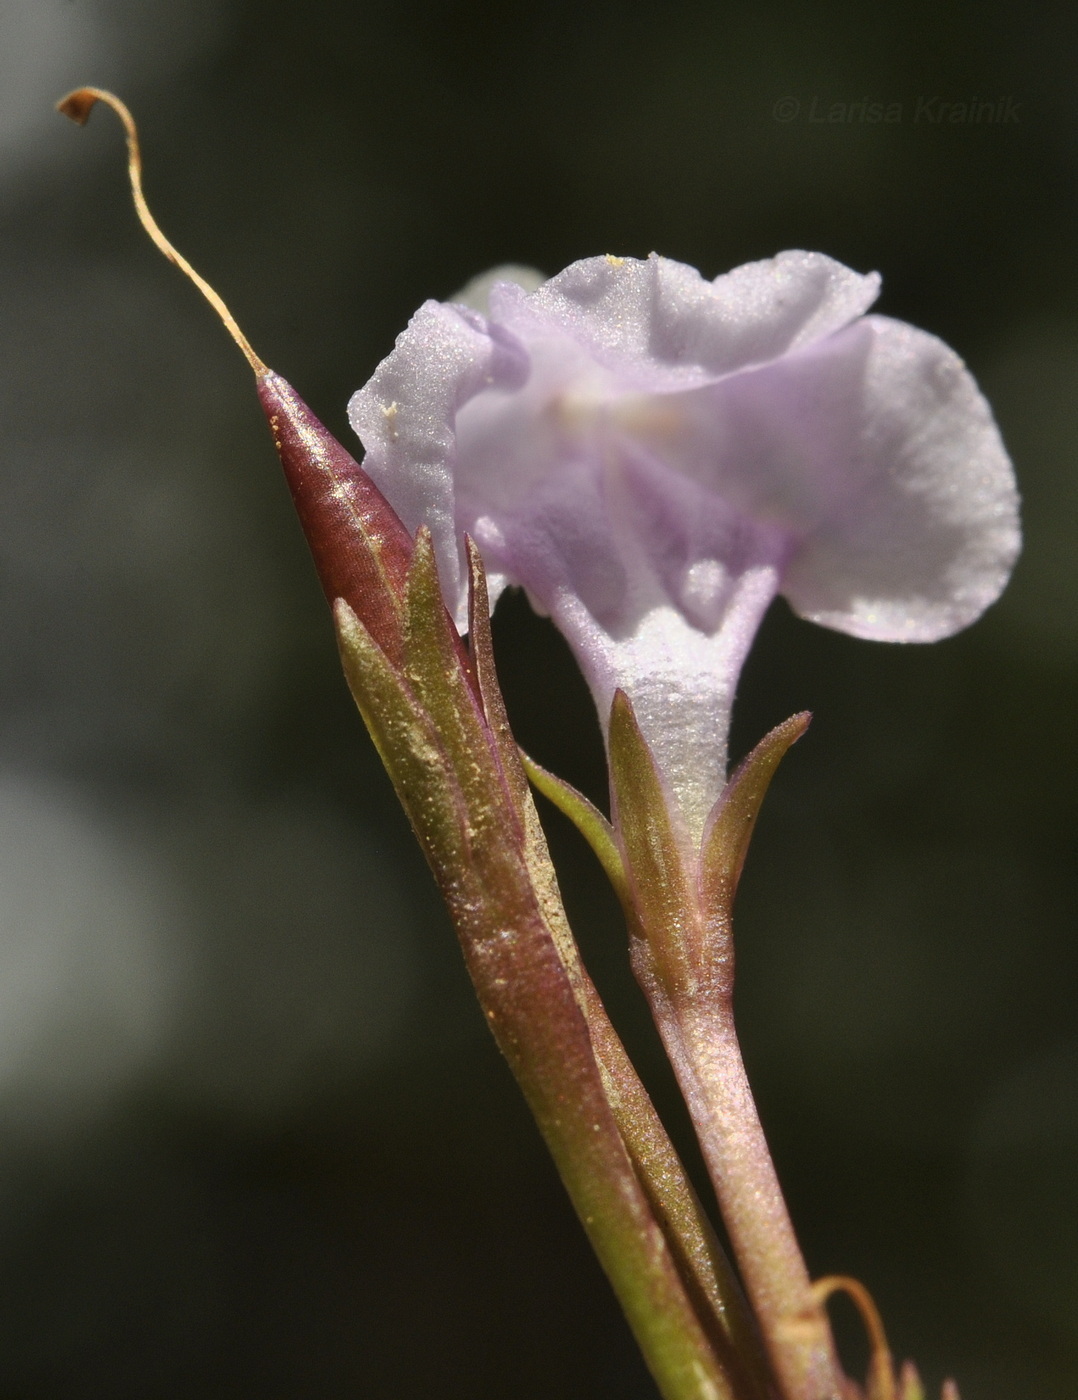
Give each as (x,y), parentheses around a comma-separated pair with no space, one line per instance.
(700,1040)
(702,1260)
(552,1056)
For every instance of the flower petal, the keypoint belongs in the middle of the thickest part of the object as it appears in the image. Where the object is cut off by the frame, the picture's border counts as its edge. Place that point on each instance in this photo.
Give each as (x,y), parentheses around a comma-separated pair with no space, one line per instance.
(476,293)
(663,327)
(653,456)
(925,532)
(682,682)
(405,417)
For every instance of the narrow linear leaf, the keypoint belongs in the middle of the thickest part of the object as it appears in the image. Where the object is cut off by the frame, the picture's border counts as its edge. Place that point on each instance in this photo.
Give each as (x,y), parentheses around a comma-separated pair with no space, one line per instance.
(437,670)
(407,744)
(540,868)
(587,819)
(534,1013)
(481,647)
(701,1259)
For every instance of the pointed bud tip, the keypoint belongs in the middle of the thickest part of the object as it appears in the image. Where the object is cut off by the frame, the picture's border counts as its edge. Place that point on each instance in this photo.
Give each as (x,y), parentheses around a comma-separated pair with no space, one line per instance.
(361,549)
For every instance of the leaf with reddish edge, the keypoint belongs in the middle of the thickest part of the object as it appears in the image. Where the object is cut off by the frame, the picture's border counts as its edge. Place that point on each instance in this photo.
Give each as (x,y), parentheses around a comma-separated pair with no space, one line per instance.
(731,823)
(538,1024)
(698,1256)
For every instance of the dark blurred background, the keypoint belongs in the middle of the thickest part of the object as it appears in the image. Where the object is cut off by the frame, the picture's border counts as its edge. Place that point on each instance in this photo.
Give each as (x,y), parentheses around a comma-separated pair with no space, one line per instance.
(254,1138)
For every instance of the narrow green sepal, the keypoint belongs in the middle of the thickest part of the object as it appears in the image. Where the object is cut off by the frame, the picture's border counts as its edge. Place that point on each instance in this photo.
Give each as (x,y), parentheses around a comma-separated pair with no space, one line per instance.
(481,652)
(587,819)
(407,743)
(440,673)
(660,895)
(534,847)
(730,825)
(432,659)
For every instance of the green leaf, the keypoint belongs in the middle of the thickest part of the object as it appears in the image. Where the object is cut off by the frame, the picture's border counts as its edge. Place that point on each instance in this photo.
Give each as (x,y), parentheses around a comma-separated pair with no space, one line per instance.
(536,1014)
(614,1156)
(587,819)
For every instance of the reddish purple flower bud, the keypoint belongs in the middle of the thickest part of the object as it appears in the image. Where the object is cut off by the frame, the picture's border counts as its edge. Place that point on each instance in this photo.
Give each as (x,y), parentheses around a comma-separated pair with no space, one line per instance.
(361,549)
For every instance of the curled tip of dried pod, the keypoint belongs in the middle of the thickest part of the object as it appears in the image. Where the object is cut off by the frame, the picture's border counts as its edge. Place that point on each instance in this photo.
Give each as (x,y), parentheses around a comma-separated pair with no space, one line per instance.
(78,104)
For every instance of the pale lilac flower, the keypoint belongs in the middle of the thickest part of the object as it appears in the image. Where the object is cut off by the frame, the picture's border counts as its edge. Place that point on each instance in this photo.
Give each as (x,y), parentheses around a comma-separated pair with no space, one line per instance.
(653,457)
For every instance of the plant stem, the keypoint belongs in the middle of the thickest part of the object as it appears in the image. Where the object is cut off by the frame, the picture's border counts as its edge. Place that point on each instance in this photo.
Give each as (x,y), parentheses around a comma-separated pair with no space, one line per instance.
(700,1039)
